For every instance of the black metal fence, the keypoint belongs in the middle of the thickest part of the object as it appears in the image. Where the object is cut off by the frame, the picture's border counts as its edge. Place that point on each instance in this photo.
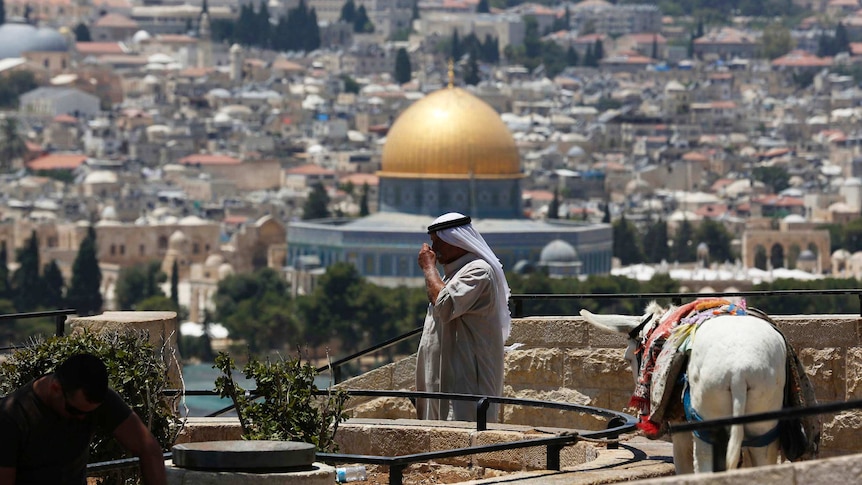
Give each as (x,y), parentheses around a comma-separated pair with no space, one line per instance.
(58,315)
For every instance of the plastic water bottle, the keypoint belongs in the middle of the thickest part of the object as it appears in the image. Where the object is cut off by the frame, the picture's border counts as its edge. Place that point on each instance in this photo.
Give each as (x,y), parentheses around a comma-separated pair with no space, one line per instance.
(350,474)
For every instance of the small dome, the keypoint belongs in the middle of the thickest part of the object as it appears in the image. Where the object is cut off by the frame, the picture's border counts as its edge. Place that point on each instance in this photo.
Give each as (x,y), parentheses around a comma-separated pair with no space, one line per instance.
(108,213)
(214,261)
(141,36)
(225,270)
(192,221)
(807,255)
(177,240)
(794,218)
(558,251)
(841,255)
(16,38)
(101,177)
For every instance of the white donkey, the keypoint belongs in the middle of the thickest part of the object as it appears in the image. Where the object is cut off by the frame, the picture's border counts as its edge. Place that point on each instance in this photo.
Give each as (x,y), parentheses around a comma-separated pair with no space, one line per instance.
(736,367)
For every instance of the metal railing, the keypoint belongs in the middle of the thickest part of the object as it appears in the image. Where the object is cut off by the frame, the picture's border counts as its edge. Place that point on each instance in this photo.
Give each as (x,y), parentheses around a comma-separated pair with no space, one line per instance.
(618,423)
(517,301)
(59,321)
(721,434)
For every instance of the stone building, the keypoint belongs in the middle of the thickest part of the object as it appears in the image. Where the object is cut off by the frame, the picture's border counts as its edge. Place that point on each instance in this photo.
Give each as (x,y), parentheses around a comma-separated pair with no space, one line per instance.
(449,151)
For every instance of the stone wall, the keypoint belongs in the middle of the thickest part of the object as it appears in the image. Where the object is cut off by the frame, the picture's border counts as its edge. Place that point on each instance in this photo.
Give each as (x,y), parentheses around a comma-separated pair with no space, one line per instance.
(565,359)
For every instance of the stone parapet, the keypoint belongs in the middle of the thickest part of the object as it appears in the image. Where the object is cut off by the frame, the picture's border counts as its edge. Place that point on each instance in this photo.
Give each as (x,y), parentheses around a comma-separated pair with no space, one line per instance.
(566,359)
(161,327)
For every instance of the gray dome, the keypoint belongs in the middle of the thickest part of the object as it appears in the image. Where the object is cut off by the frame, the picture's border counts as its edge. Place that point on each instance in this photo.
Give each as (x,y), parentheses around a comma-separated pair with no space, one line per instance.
(558,251)
(807,255)
(17,38)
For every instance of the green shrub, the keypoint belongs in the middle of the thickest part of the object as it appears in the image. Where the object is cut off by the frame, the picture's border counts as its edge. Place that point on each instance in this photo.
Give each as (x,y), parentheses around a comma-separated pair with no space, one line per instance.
(284,406)
(135,370)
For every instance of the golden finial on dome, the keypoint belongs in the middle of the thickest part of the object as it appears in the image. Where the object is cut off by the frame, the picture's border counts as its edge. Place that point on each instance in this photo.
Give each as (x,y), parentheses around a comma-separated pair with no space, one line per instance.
(451,73)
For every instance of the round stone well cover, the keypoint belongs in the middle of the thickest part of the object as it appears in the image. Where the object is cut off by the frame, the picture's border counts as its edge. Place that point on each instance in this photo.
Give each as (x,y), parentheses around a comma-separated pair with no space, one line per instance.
(244,455)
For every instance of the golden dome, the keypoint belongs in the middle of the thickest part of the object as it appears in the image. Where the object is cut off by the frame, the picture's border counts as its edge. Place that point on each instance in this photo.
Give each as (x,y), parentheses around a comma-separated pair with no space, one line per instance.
(448,134)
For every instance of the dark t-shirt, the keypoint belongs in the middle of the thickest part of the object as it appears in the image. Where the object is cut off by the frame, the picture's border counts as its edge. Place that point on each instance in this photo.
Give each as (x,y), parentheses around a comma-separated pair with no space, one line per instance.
(46,448)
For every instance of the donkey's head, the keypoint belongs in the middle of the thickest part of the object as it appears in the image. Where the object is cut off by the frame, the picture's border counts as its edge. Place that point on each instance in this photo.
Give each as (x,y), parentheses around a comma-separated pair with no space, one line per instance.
(635,327)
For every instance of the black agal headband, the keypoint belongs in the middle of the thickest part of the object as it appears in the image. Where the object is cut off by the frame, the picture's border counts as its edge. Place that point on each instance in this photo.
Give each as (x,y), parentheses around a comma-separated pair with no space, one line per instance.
(461,221)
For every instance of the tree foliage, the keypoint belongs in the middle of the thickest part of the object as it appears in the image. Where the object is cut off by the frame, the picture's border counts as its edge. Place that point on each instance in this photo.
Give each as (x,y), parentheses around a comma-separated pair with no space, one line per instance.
(317,204)
(82,33)
(403,69)
(138,283)
(626,245)
(286,406)
(14,84)
(774,177)
(256,307)
(84,293)
(12,145)
(776,41)
(26,280)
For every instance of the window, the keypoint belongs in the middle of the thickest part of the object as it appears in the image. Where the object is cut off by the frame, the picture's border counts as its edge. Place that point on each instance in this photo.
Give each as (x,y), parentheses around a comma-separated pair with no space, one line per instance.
(142,250)
(113,249)
(122,249)
(163,243)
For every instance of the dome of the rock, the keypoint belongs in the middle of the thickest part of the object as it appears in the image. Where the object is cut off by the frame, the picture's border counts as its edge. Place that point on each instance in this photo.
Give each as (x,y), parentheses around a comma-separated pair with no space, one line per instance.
(450,134)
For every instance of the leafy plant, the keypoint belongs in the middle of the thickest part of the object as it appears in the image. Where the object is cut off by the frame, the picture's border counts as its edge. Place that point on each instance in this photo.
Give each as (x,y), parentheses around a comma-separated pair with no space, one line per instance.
(136,371)
(286,405)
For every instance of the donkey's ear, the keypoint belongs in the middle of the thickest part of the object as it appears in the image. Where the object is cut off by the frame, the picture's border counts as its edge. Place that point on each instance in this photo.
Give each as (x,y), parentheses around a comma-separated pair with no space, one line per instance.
(614,323)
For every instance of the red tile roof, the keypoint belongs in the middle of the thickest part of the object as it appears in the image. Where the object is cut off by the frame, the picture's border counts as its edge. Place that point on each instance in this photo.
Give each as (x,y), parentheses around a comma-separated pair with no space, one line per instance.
(308,169)
(96,48)
(58,161)
(115,20)
(209,159)
(800,58)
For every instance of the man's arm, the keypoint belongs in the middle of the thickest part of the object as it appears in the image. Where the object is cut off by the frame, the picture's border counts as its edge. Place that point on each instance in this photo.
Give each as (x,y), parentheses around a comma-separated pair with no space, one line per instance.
(134,436)
(7,476)
(428,264)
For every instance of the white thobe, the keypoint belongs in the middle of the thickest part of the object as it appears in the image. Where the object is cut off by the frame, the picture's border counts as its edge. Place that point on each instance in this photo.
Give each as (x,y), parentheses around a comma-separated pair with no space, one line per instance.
(461,350)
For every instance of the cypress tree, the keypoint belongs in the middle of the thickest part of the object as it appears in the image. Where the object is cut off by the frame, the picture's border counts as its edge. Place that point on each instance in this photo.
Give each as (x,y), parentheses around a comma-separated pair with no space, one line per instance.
(52,295)
(2,12)
(5,290)
(403,69)
(175,284)
(26,281)
(84,293)
(363,202)
(317,204)
(483,7)
(348,12)
(471,74)
(554,208)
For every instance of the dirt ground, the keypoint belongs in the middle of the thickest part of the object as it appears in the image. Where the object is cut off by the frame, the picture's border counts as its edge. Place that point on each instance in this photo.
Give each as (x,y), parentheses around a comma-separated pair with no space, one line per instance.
(429,474)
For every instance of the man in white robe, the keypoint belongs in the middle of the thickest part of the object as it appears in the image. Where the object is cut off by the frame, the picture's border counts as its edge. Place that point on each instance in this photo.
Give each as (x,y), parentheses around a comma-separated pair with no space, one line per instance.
(467,323)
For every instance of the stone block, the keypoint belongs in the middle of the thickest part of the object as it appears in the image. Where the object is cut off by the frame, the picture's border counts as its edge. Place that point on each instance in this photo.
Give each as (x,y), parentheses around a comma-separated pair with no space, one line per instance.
(549,332)
(404,373)
(819,331)
(510,460)
(534,368)
(209,429)
(448,439)
(841,433)
(385,408)
(853,374)
(591,368)
(825,368)
(845,469)
(558,418)
(397,440)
